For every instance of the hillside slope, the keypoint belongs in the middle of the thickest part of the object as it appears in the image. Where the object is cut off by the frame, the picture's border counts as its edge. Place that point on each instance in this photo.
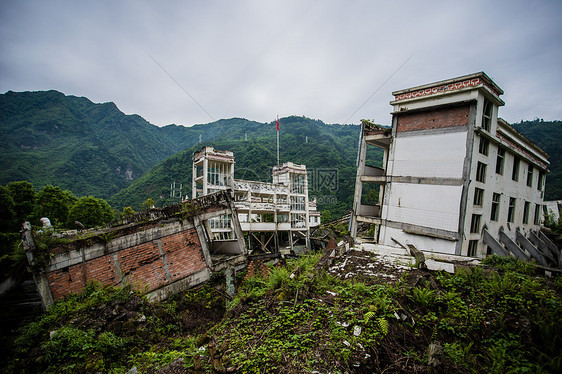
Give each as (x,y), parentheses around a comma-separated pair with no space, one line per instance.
(91,149)
(95,149)
(548,136)
(327,151)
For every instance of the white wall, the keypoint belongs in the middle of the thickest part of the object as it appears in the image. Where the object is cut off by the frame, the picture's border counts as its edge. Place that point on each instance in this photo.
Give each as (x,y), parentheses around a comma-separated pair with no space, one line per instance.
(423,243)
(439,155)
(426,205)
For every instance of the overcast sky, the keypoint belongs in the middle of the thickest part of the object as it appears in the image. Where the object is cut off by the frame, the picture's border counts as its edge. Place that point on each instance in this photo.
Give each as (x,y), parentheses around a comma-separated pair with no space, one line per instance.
(189,62)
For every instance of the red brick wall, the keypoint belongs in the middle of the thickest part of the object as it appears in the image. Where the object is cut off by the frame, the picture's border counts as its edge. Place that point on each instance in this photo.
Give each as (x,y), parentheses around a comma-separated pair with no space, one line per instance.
(142,265)
(434,119)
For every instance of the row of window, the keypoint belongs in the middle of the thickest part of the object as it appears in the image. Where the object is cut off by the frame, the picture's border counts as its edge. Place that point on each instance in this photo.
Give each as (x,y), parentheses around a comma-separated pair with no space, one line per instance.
(483,148)
(495,210)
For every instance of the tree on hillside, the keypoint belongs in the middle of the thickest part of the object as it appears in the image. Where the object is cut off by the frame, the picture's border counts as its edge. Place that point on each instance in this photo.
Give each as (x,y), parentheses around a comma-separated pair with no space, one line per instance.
(148,204)
(128,212)
(24,199)
(54,203)
(90,212)
(7,211)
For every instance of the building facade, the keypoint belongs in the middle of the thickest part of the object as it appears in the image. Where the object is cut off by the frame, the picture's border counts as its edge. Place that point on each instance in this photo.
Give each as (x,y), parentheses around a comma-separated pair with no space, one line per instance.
(453,173)
(275,216)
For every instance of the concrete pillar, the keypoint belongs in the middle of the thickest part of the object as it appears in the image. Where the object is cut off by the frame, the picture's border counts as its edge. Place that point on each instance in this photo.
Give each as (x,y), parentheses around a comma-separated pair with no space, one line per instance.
(358,185)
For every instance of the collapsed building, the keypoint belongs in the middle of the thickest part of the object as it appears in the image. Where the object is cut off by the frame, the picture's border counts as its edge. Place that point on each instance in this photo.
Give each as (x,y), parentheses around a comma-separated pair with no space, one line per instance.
(275,216)
(455,178)
(160,251)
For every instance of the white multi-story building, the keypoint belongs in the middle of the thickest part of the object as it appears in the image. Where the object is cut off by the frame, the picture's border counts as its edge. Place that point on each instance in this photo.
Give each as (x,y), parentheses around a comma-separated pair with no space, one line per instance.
(274,215)
(454,175)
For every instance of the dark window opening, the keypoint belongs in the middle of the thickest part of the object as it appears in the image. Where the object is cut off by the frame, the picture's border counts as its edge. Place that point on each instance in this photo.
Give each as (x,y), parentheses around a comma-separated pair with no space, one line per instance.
(515,171)
(530,176)
(511,210)
(495,207)
(478,196)
(472,248)
(487,115)
(481,172)
(499,161)
(475,224)
(526,209)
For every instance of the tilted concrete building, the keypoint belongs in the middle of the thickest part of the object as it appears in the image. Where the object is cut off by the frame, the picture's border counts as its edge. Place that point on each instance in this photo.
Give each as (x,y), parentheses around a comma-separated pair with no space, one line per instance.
(455,178)
(274,215)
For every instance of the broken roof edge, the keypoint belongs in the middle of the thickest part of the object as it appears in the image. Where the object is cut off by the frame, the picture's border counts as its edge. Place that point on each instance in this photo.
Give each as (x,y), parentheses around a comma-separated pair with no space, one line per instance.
(445,88)
(506,125)
(480,74)
(211,150)
(370,127)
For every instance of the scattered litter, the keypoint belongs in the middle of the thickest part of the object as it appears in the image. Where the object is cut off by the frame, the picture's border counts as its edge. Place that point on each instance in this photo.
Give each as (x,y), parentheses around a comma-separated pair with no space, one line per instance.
(356,330)
(346,343)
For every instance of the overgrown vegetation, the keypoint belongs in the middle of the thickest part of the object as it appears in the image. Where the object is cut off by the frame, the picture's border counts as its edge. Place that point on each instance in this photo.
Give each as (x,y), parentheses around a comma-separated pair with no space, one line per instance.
(19,203)
(499,317)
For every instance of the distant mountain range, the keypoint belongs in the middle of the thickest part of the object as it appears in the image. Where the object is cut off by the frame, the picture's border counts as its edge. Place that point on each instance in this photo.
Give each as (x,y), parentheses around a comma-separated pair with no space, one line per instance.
(95,149)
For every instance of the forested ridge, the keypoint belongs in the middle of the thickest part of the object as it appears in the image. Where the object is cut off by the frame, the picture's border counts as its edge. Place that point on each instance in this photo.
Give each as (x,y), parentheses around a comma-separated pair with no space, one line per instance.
(548,136)
(95,149)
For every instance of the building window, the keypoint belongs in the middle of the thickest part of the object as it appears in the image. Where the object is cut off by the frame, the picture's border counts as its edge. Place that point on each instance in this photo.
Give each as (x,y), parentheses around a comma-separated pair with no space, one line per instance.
(472,248)
(526,208)
(495,207)
(481,172)
(540,186)
(297,203)
(475,224)
(483,147)
(515,171)
(298,220)
(499,161)
(537,218)
(487,115)
(220,222)
(511,210)
(297,183)
(530,176)
(478,196)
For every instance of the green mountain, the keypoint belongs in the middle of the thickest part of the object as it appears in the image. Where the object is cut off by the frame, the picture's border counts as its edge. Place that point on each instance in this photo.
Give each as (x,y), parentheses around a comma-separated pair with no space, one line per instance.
(328,151)
(90,149)
(95,149)
(548,136)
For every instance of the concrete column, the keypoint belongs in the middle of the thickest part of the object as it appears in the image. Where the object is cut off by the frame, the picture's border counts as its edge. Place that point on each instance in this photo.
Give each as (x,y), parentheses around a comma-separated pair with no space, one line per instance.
(205,175)
(193,183)
(358,184)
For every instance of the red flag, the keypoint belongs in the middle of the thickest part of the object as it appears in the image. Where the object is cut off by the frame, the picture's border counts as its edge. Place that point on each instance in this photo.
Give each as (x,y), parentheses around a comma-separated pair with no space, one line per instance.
(277,123)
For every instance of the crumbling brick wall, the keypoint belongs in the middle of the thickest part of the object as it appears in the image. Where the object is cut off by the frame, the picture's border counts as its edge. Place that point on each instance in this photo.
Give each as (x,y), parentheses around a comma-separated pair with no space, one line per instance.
(146,266)
(433,119)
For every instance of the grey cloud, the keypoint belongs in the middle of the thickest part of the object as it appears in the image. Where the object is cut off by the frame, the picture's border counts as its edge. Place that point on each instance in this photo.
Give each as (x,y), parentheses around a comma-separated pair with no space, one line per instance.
(257,59)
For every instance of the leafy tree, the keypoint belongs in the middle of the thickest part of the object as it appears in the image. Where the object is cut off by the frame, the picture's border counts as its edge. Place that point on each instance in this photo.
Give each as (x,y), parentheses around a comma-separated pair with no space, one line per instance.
(7,211)
(90,212)
(54,203)
(24,199)
(127,212)
(148,204)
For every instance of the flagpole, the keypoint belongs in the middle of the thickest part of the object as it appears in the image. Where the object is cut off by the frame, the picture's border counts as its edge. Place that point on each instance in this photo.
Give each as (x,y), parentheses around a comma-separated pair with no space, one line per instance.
(278,140)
